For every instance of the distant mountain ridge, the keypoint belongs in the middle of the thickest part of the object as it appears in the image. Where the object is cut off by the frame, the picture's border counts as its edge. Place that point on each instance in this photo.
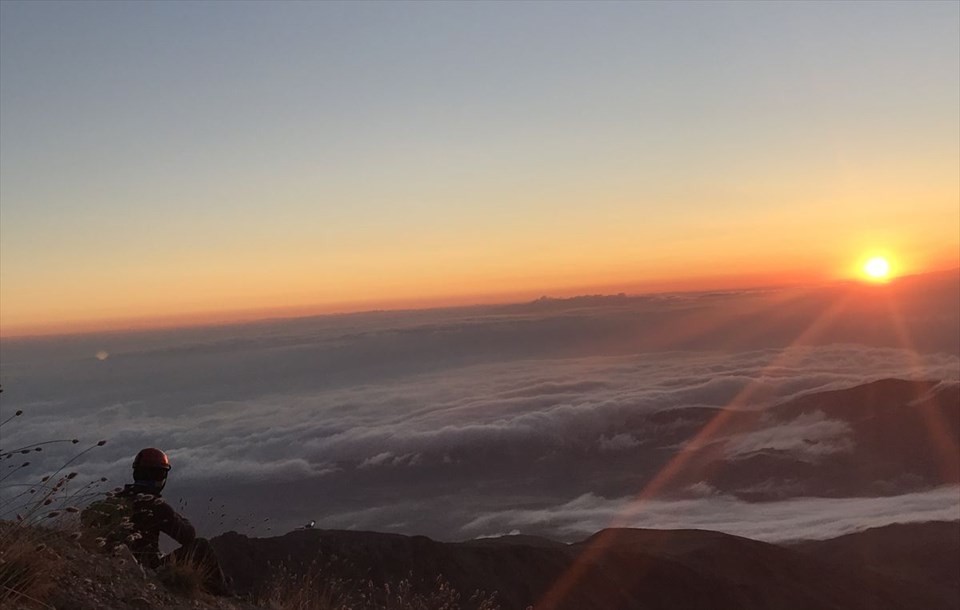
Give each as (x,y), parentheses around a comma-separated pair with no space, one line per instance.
(890,436)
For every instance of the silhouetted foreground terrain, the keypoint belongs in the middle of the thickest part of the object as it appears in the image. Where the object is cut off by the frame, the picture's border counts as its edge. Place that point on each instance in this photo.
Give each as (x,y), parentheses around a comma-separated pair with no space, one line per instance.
(898,567)
(926,554)
(645,569)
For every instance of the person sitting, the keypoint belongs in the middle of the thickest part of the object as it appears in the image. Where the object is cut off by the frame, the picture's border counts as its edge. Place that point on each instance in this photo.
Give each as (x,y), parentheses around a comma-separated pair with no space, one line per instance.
(137,515)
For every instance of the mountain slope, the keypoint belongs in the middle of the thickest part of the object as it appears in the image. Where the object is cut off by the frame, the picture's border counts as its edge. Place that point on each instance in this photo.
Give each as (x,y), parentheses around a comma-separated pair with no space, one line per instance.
(882,438)
(926,554)
(649,569)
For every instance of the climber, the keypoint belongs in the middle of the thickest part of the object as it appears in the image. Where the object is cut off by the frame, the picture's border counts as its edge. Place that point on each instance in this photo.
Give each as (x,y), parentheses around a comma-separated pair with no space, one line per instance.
(136,516)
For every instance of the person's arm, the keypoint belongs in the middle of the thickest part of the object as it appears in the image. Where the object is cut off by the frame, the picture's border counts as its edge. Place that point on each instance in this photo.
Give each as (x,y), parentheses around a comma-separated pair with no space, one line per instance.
(174,525)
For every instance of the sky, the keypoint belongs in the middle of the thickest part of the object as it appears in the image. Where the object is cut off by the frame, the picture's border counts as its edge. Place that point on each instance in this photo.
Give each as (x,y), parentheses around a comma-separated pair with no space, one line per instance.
(178,162)
(555,418)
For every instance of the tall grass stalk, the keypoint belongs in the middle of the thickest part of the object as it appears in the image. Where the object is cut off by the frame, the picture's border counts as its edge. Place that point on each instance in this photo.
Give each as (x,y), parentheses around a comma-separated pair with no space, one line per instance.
(30,518)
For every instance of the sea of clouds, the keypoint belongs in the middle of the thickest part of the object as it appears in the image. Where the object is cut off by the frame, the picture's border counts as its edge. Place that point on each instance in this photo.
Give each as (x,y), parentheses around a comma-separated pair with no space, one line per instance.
(471,422)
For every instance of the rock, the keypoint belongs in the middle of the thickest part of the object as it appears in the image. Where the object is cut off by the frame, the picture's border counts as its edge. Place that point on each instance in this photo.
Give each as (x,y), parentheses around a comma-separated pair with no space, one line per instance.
(125,558)
(139,602)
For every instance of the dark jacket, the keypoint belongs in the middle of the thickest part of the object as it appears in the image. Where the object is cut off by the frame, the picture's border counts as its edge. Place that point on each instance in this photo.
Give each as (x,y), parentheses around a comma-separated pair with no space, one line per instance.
(135,517)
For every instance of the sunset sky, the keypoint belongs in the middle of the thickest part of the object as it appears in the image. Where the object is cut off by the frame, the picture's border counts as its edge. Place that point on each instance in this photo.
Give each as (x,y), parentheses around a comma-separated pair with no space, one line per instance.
(187,161)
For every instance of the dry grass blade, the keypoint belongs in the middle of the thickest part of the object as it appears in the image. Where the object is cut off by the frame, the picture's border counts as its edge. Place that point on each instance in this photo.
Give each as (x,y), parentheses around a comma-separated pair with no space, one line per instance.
(184,575)
(27,567)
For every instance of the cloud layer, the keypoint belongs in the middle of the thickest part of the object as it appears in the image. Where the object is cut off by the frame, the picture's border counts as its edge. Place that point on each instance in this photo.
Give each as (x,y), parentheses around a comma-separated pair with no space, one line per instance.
(795,519)
(423,422)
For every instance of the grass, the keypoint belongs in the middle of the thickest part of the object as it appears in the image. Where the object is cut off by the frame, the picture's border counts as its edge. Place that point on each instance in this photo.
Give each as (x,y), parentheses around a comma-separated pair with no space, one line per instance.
(403,595)
(27,567)
(32,514)
(316,589)
(311,590)
(183,576)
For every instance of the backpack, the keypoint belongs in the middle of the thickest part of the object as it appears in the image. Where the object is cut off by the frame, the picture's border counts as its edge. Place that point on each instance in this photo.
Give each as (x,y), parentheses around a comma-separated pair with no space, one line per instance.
(107,523)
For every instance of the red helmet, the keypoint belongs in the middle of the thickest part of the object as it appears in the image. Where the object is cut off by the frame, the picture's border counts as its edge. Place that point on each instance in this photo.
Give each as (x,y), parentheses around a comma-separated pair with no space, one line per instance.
(151,458)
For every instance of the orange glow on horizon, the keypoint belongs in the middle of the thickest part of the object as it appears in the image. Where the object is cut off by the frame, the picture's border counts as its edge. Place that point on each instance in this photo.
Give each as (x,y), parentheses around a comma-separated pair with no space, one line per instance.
(261,296)
(432,296)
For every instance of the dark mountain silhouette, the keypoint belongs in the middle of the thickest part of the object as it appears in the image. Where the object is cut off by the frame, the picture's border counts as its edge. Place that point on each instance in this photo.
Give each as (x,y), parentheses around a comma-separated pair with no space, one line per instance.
(625,568)
(926,554)
(897,436)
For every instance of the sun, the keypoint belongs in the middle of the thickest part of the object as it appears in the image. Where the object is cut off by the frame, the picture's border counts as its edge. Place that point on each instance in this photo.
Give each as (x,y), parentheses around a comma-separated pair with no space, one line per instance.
(877,269)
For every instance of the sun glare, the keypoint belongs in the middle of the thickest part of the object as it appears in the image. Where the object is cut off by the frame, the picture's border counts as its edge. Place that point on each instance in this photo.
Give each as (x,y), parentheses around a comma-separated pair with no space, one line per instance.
(877,269)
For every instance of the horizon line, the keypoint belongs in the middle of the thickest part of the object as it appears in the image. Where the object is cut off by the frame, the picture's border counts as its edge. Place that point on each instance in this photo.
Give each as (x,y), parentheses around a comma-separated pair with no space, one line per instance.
(241,317)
